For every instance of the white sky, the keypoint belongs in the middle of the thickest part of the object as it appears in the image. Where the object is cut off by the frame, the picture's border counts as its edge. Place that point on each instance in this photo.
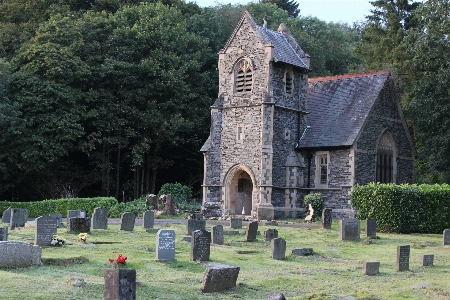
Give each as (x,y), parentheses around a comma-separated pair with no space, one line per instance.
(347,11)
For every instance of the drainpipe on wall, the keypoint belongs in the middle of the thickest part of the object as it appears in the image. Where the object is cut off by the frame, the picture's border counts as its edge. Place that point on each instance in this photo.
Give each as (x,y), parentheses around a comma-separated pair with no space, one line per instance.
(308,184)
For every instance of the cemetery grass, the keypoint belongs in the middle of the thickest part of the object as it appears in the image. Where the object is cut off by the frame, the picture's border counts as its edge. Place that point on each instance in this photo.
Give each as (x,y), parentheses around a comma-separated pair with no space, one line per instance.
(334,272)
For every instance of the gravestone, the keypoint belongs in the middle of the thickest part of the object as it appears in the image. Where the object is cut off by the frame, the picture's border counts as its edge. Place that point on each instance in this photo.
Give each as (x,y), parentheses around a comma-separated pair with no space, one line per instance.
(17,254)
(3,234)
(371,268)
(327,218)
(236,223)
(278,247)
(403,258)
(302,251)
(99,218)
(270,234)
(79,213)
(44,229)
(219,278)
(252,231)
(427,260)
(200,245)
(349,230)
(58,218)
(165,245)
(19,216)
(120,284)
(276,296)
(6,216)
(446,236)
(217,235)
(78,225)
(194,224)
(148,219)
(127,221)
(371,228)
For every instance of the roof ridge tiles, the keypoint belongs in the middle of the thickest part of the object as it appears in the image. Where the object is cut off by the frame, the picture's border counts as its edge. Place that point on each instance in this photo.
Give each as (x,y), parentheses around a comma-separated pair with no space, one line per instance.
(345,76)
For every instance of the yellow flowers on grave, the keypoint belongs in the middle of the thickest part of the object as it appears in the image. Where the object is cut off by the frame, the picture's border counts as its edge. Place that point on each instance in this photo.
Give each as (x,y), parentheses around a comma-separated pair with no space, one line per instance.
(83,237)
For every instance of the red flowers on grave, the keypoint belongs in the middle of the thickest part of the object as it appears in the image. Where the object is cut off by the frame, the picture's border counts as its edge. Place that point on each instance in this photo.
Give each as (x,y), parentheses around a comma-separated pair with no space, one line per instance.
(119,261)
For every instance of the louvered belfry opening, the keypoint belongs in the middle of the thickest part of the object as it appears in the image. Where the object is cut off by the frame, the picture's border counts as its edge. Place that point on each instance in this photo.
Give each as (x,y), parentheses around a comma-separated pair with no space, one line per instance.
(385,159)
(289,81)
(243,76)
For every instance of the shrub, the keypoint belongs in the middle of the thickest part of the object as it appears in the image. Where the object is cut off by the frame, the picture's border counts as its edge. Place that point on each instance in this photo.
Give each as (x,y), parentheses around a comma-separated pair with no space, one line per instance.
(178,191)
(316,201)
(436,205)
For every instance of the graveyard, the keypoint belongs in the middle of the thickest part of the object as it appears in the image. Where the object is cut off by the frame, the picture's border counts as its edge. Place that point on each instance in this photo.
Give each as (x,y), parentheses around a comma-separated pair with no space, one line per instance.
(315,264)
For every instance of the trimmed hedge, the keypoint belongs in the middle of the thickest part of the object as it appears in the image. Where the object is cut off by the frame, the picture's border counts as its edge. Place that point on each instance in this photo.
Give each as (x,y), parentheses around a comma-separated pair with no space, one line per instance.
(404,208)
(45,207)
(316,201)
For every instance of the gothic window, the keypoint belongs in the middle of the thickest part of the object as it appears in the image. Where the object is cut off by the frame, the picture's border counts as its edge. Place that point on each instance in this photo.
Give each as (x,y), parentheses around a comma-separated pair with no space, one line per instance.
(385,159)
(244,74)
(322,160)
(240,133)
(289,80)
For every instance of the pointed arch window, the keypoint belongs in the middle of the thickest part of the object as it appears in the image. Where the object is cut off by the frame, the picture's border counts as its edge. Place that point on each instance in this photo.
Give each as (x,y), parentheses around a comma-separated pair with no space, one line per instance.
(244,76)
(386,162)
(289,80)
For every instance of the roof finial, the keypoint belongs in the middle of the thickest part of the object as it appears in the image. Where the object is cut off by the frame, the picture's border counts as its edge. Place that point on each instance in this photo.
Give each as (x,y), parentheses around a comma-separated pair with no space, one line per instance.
(265,22)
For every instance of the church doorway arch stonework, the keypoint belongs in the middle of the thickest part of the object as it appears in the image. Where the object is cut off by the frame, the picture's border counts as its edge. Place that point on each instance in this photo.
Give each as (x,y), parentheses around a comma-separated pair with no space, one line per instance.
(239,189)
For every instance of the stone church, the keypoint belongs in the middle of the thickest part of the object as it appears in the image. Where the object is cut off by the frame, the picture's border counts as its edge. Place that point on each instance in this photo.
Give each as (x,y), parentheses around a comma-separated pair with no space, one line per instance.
(276,135)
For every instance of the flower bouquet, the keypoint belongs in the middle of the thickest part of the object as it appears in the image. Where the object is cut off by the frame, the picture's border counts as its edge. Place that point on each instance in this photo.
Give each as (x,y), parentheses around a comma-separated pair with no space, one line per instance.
(83,237)
(58,241)
(118,262)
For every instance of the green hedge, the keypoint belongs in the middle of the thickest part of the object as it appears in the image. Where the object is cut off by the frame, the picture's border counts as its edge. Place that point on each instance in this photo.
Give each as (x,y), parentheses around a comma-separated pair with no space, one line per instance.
(45,207)
(404,208)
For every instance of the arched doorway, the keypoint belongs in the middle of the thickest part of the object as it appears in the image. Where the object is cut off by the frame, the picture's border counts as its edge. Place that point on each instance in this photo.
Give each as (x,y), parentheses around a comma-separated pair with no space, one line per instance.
(238,191)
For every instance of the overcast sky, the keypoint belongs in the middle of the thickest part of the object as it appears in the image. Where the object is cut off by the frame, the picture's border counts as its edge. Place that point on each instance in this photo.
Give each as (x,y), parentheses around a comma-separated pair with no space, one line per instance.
(347,11)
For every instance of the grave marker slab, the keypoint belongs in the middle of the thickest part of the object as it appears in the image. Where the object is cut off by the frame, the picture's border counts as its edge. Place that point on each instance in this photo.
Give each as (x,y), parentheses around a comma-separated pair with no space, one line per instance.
(446,237)
(219,278)
(3,234)
(236,223)
(276,296)
(127,221)
(252,231)
(165,245)
(349,230)
(120,284)
(6,216)
(200,245)
(148,219)
(44,229)
(302,251)
(78,225)
(270,234)
(99,218)
(427,260)
(19,216)
(371,228)
(217,235)
(17,254)
(278,247)
(194,224)
(371,268)
(79,213)
(58,218)
(327,218)
(403,258)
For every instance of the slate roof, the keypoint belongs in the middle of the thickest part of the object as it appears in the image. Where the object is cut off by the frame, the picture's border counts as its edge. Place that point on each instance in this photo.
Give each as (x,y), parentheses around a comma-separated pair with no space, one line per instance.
(338,107)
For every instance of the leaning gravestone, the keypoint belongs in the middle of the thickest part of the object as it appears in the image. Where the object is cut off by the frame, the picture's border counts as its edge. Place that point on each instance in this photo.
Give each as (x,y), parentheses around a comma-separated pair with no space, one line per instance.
(148,219)
(127,221)
(349,230)
(252,231)
(200,245)
(217,235)
(19,216)
(278,247)
(3,234)
(6,216)
(236,223)
(427,260)
(219,278)
(44,229)
(446,236)
(270,234)
(58,218)
(403,258)
(99,218)
(371,228)
(78,225)
(17,254)
(165,245)
(371,268)
(327,219)
(194,224)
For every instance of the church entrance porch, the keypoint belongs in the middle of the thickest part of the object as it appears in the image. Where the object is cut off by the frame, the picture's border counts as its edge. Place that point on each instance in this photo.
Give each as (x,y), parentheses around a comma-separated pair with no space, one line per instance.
(239,190)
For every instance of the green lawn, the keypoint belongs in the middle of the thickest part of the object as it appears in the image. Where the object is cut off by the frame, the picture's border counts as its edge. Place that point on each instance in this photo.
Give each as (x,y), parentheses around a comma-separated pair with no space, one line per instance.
(334,272)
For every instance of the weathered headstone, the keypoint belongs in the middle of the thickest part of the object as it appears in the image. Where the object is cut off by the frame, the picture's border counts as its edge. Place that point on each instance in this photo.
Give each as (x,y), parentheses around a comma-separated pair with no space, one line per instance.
(200,245)
(236,223)
(252,231)
(278,247)
(427,260)
(371,228)
(19,216)
(44,229)
(79,213)
(193,225)
(349,229)
(403,258)
(148,219)
(17,254)
(165,245)
(120,284)
(78,225)
(217,235)
(3,234)
(58,218)
(219,278)
(270,234)
(276,296)
(371,268)
(327,218)
(446,236)
(99,218)
(302,251)
(6,216)
(127,221)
